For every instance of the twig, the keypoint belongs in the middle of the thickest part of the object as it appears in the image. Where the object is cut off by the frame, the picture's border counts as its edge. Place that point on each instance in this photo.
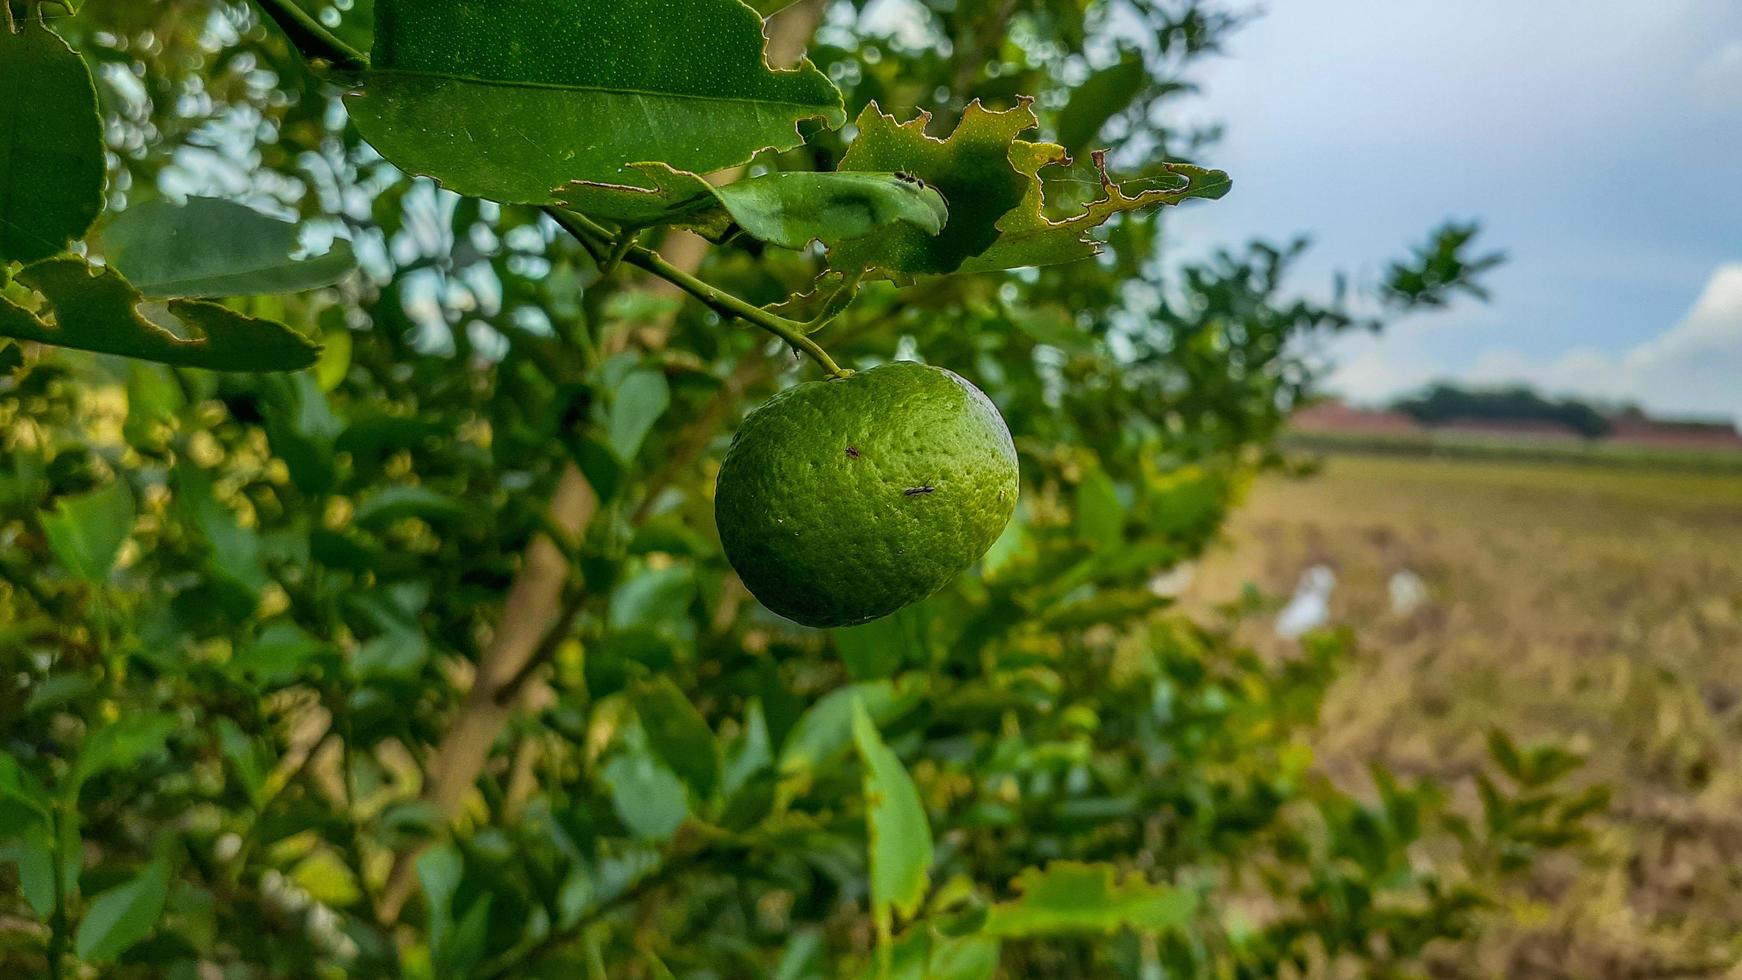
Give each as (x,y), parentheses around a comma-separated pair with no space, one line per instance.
(533,601)
(619,248)
(722,302)
(552,642)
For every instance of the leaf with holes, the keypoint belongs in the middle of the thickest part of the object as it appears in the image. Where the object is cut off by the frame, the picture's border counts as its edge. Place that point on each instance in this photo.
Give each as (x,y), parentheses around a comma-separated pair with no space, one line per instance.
(51,146)
(971,169)
(216,248)
(1028,238)
(786,209)
(93,309)
(507,99)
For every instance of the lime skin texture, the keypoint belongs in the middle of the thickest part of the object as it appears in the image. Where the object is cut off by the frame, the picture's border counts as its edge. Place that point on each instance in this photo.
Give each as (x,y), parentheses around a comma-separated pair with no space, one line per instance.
(842,501)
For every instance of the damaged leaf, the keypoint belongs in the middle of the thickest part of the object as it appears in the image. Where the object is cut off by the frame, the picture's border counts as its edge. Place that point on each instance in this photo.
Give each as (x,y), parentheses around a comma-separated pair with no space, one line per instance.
(94,309)
(1028,238)
(508,100)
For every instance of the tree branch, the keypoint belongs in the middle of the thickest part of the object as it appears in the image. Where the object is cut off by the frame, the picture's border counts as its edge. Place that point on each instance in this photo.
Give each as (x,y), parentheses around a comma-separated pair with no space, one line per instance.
(603,241)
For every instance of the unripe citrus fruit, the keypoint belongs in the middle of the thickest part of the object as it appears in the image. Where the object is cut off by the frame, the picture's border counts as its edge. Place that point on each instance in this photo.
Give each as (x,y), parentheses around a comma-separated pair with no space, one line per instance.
(843,501)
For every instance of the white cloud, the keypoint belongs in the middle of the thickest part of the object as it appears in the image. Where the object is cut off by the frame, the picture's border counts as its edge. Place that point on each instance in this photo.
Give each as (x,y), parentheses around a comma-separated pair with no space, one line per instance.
(1694,368)
(1370,370)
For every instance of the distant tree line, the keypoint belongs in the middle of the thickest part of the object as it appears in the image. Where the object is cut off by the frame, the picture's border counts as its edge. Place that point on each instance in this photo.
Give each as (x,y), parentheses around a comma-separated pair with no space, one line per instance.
(1443,403)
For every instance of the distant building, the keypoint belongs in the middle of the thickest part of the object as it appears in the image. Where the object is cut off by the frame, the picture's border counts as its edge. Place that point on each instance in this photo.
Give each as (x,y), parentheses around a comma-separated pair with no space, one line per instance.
(1535,430)
(1335,415)
(1635,428)
(1628,428)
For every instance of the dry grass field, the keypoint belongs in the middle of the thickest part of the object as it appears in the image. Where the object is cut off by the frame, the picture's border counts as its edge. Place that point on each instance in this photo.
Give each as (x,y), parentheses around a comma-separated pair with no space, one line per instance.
(1598,606)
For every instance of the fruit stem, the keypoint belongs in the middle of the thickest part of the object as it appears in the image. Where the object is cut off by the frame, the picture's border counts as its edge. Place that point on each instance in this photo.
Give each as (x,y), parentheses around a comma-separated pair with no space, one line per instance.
(595,236)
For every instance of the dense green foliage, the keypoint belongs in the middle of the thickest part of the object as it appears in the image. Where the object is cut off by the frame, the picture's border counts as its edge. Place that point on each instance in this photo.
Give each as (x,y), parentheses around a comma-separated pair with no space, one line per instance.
(1447,403)
(258,722)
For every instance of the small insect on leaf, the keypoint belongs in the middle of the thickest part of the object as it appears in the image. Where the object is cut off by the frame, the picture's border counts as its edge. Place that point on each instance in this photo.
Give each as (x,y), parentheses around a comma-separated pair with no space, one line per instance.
(852,452)
(917,491)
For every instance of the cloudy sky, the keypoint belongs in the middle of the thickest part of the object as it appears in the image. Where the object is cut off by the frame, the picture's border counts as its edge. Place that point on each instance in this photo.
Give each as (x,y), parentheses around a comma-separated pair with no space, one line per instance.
(1599,142)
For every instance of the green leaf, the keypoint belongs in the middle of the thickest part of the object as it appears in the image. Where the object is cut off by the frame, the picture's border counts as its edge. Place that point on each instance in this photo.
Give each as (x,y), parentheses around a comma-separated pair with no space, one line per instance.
(389,504)
(1102,96)
(249,758)
(86,533)
(1070,897)
(1028,238)
(58,690)
(971,169)
(215,248)
(794,209)
(750,754)
(235,550)
(34,855)
(278,656)
(825,730)
(123,915)
(467,945)
(16,783)
(98,310)
(646,796)
(439,870)
(874,650)
(679,735)
(901,844)
(636,405)
(790,210)
(326,878)
(921,955)
(1049,323)
(508,99)
(1505,751)
(122,744)
(51,146)
(1100,515)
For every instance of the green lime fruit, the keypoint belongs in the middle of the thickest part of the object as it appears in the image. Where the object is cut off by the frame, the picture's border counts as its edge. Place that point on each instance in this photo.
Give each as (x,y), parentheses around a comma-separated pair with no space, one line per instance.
(842,501)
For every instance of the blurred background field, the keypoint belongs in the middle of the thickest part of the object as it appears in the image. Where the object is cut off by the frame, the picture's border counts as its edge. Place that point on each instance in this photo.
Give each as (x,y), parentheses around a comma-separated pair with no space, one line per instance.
(1571,598)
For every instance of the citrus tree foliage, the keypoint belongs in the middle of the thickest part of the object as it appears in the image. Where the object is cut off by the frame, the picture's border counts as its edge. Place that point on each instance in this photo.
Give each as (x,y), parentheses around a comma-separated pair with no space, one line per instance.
(251,572)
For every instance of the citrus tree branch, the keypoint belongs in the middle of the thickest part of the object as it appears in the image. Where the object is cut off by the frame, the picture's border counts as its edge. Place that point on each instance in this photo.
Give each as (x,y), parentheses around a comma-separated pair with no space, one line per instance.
(600,240)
